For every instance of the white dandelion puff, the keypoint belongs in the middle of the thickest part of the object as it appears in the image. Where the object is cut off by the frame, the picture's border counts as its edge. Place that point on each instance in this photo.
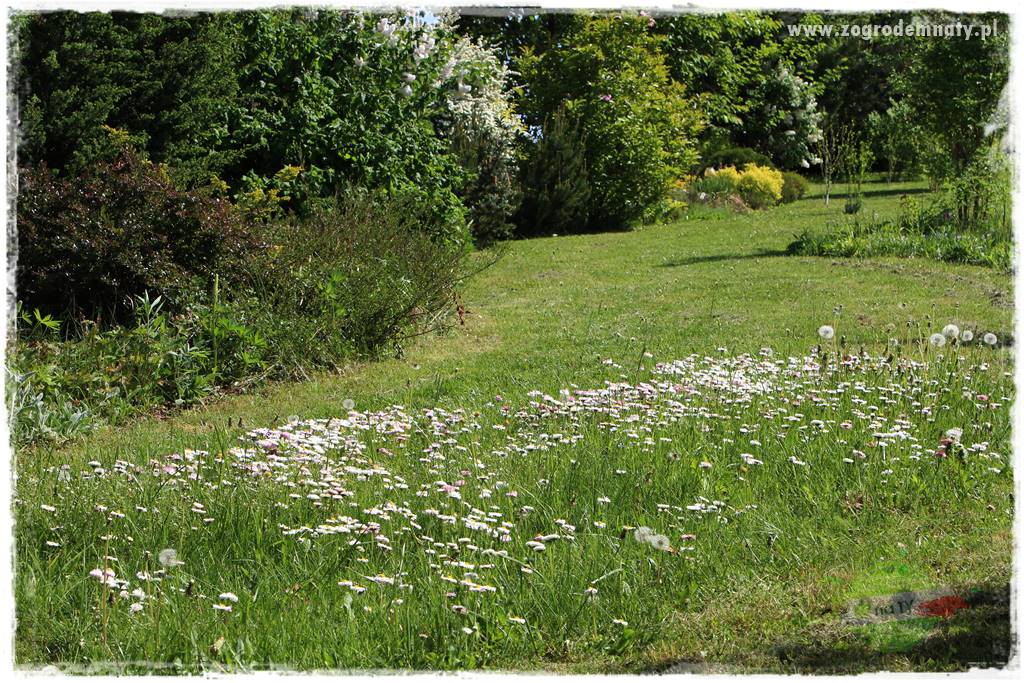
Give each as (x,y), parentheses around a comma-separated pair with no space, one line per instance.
(826,332)
(168,557)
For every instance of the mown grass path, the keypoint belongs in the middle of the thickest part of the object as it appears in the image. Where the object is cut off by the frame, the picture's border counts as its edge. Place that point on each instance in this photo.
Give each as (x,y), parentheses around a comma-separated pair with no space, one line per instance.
(546,317)
(552,308)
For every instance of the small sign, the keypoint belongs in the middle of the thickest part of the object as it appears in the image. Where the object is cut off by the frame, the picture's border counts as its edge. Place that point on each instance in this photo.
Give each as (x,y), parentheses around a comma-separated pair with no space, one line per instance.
(938,602)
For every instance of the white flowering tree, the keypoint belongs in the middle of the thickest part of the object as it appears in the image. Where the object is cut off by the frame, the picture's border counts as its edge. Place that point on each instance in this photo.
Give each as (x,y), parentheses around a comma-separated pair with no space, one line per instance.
(352,97)
(484,132)
(783,120)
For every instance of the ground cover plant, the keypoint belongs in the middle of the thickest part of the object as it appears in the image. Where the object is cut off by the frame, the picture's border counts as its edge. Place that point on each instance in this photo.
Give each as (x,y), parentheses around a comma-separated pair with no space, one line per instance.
(393,486)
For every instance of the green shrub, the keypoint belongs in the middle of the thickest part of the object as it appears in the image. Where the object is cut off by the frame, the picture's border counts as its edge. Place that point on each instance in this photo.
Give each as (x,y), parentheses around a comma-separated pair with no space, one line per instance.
(638,127)
(352,98)
(737,157)
(917,233)
(759,186)
(794,186)
(782,118)
(555,173)
(63,387)
(484,134)
(354,277)
(168,81)
(90,243)
(715,186)
(980,200)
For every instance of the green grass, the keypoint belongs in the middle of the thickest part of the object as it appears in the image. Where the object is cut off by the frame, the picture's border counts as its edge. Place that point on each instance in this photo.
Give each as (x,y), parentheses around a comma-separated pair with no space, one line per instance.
(765,591)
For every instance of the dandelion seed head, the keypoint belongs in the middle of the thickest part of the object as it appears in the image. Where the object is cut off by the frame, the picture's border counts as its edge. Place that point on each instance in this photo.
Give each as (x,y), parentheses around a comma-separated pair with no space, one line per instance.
(168,557)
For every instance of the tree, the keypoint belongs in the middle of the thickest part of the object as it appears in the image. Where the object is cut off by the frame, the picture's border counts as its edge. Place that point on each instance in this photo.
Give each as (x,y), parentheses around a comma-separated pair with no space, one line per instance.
(555,174)
(640,130)
(953,87)
(168,81)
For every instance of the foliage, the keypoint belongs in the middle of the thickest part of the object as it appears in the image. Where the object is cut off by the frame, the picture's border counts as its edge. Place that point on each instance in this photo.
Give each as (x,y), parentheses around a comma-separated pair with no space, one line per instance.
(62,388)
(756,187)
(350,280)
(354,277)
(953,87)
(890,239)
(714,187)
(90,243)
(895,137)
(718,56)
(783,121)
(638,127)
(927,230)
(350,101)
(760,186)
(344,96)
(794,186)
(485,132)
(169,81)
(980,199)
(735,156)
(853,159)
(264,199)
(858,75)
(555,176)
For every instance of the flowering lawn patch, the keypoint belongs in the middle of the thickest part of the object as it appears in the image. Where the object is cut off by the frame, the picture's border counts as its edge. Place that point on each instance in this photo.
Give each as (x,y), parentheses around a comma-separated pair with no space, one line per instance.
(458,536)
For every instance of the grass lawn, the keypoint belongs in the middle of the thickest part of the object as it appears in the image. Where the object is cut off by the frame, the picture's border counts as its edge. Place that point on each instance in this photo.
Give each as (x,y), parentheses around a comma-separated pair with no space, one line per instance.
(700,513)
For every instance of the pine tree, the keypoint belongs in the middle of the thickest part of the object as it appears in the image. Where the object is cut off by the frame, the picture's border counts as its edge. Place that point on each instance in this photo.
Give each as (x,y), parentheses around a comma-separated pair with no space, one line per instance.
(558,194)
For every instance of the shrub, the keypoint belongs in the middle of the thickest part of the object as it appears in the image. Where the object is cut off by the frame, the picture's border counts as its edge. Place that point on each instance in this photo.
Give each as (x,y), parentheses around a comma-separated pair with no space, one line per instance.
(736,157)
(980,199)
(760,186)
(555,175)
(351,279)
(484,134)
(60,388)
(714,187)
(639,129)
(929,230)
(728,175)
(353,98)
(783,119)
(88,244)
(169,81)
(354,277)
(794,186)
(889,239)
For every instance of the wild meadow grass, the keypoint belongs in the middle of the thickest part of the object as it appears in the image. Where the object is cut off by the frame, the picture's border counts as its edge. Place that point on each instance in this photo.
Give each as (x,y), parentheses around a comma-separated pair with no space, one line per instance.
(637,452)
(570,525)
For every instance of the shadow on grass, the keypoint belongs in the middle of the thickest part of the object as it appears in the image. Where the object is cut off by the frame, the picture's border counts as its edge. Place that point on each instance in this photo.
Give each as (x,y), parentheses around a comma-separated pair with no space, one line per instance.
(868,193)
(714,258)
(975,637)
